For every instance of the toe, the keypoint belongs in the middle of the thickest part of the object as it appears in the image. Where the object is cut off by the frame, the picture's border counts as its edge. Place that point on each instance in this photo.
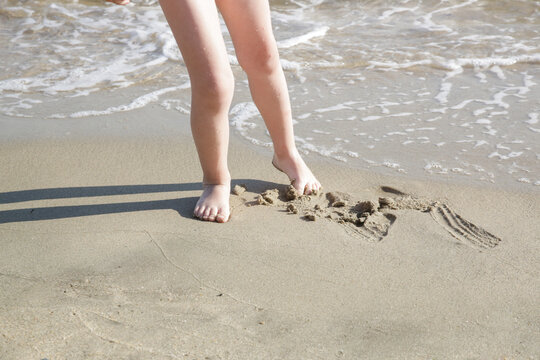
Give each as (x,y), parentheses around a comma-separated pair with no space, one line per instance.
(199,211)
(299,186)
(222,217)
(212,215)
(206,214)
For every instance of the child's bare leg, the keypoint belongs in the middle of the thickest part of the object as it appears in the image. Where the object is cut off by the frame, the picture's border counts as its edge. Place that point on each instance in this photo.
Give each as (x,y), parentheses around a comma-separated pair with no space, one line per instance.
(250,27)
(195,25)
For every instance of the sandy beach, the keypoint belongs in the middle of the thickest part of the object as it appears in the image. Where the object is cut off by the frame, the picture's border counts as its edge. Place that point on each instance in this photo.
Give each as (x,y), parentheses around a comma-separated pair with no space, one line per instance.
(420,118)
(101,259)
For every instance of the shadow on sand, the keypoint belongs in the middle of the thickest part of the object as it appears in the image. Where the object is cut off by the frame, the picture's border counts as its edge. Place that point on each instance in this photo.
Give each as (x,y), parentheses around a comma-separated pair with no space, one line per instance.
(184,206)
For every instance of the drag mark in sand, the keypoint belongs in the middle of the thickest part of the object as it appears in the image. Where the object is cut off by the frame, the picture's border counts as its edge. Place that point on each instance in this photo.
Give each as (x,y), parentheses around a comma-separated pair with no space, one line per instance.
(201,283)
(371,220)
(453,223)
(21,277)
(95,323)
(462,229)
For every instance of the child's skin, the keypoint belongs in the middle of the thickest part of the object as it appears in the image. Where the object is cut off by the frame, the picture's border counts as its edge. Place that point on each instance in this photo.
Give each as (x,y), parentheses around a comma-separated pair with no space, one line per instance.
(195,26)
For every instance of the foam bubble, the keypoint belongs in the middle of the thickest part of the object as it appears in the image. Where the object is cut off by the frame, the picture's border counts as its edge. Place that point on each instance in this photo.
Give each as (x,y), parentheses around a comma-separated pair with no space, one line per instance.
(137,103)
(240,115)
(315,33)
(533,118)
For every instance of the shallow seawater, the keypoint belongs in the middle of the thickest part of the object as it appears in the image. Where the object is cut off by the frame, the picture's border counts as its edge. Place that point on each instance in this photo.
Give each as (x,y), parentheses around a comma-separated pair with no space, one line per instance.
(438,89)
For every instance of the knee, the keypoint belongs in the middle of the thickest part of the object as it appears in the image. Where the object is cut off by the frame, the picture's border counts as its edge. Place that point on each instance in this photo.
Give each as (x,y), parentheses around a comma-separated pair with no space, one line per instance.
(213,90)
(261,61)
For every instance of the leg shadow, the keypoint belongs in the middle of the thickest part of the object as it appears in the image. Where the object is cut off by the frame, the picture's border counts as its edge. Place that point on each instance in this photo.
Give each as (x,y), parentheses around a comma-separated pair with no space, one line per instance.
(184,206)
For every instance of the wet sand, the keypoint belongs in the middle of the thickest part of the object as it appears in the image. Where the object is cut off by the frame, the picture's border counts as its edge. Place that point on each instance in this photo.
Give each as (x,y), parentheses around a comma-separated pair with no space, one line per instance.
(101,259)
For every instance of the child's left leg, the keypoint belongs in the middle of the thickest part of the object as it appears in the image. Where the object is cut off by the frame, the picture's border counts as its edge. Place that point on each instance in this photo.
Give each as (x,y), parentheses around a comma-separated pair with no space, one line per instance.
(250,27)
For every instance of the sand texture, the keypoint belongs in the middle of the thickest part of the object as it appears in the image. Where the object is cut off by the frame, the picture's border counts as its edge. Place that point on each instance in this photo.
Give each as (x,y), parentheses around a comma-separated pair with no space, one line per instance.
(102,259)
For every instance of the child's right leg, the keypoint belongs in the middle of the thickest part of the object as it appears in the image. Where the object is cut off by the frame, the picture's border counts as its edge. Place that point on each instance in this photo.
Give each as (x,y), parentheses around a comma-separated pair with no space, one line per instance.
(195,26)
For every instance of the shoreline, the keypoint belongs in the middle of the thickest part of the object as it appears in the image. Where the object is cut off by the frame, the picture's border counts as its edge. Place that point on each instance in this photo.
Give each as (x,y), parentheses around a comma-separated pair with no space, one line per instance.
(154,123)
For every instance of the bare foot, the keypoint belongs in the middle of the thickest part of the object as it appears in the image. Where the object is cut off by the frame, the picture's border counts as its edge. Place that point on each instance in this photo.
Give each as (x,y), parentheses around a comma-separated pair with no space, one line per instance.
(213,205)
(299,174)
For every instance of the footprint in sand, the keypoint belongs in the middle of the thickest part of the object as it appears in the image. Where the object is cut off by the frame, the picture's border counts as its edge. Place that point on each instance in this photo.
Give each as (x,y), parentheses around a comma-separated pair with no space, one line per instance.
(371,220)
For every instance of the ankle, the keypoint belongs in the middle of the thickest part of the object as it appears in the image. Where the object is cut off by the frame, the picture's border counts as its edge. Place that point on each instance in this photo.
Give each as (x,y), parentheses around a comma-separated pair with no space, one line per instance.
(289,155)
(219,179)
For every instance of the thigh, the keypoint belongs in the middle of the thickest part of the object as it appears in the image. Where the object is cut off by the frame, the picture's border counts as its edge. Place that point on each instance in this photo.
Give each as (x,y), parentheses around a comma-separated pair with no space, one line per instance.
(195,26)
(250,26)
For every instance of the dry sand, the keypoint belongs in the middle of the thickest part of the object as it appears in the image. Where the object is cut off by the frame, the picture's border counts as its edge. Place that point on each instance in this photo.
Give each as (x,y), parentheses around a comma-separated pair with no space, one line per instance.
(101,259)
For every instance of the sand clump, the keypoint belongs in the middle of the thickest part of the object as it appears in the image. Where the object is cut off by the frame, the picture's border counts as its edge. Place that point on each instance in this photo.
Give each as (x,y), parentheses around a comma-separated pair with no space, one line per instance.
(268,197)
(407,202)
(371,220)
(292,209)
(239,189)
(291,193)
(337,199)
(333,206)
(310,216)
